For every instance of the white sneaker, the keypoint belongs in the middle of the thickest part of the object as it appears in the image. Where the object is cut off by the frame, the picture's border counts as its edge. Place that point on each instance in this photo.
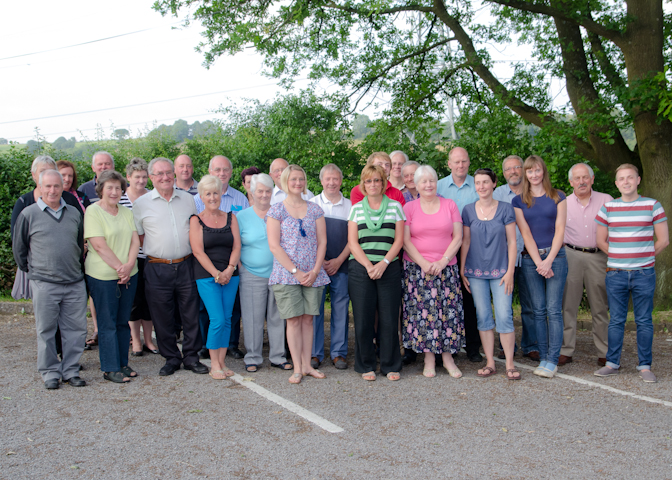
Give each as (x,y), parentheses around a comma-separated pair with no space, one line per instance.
(546,373)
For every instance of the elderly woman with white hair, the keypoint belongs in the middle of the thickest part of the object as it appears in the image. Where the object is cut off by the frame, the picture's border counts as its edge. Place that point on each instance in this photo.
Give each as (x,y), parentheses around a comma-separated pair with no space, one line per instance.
(215,242)
(433,319)
(257,301)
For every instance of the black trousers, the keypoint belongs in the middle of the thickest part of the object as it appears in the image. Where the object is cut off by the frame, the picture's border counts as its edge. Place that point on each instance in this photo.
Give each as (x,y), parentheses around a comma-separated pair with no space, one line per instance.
(473,340)
(168,287)
(368,296)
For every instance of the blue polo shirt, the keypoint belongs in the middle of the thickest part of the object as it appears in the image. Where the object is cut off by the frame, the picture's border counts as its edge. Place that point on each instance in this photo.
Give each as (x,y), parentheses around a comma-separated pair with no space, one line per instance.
(462,196)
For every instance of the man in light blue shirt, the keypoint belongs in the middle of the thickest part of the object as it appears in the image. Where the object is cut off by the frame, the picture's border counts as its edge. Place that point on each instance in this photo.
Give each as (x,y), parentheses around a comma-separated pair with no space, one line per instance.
(232,201)
(459,187)
(513,174)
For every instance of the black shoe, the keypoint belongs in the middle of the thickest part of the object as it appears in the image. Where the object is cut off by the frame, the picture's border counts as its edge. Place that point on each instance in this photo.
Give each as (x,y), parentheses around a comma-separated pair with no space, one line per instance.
(81,367)
(145,348)
(51,384)
(235,352)
(475,357)
(197,367)
(75,382)
(408,357)
(137,354)
(87,346)
(501,355)
(203,353)
(315,362)
(168,369)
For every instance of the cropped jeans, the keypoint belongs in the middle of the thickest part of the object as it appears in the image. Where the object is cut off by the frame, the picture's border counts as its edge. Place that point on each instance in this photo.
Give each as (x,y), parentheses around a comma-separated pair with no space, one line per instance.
(545,295)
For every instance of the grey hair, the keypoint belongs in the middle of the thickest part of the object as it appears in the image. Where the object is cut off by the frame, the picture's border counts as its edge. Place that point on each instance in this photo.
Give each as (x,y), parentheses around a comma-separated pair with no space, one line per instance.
(150,167)
(402,153)
(590,170)
(49,172)
(332,167)
(101,152)
(110,176)
(220,156)
(136,165)
(208,183)
(423,171)
(409,163)
(511,157)
(42,160)
(260,178)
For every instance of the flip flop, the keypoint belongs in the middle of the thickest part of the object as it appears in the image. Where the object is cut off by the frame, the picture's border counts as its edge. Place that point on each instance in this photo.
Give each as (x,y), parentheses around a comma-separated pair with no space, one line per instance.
(510,372)
(229,373)
(217,374)
(393,376)
(487,372)
(369,376)
(315,374)
(295,378)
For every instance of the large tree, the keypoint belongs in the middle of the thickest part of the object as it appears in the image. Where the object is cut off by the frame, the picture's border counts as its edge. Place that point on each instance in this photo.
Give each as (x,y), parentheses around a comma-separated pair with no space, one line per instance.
(421,53)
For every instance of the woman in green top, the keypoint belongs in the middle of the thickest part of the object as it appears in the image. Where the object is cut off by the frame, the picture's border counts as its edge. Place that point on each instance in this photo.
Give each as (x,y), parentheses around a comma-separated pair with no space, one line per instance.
(111,273)
(375,236)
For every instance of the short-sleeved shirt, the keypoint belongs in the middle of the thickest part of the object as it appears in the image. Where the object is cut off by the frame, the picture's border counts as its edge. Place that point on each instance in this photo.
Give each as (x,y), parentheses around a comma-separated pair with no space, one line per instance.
(541,217)
(232,201)
(462,195)
(431,234)
(581,229)
(192,190)
(164,223)
(377,243)
(630,224)
(126,202)
(255,255)
(336,218)
(392,193)
(488,255)
(301,250)
(117,230)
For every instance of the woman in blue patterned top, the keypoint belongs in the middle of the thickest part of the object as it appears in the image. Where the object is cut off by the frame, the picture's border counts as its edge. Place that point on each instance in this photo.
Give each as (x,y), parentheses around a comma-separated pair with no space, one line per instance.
(297,237)
(488,265)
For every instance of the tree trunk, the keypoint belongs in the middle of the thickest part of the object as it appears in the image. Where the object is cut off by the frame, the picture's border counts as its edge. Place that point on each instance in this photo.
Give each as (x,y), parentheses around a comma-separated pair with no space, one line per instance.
(644,59)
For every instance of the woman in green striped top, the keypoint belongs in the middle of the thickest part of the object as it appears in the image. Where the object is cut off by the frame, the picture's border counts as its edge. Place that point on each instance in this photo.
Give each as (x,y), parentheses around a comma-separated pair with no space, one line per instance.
(375,237)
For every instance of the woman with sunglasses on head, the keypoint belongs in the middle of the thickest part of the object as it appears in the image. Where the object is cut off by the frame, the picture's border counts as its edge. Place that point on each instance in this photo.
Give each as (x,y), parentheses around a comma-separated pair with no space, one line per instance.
(541,214)
(375,237)
(487,267)
(297,238)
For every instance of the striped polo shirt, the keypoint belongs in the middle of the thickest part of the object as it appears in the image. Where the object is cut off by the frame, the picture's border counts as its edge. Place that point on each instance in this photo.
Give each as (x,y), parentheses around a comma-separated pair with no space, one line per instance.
(377,244)
(630,224)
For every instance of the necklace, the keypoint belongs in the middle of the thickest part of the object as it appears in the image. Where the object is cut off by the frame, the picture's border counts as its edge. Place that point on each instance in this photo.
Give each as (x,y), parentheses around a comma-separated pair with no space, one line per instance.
(485,217)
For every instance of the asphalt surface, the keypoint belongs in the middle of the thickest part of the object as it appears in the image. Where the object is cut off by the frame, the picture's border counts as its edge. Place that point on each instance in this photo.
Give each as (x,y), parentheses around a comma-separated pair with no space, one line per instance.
(190,426)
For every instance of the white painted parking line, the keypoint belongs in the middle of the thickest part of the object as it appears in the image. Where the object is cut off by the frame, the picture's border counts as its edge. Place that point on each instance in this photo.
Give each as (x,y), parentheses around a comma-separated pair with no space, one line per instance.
(291,406)
(595,384)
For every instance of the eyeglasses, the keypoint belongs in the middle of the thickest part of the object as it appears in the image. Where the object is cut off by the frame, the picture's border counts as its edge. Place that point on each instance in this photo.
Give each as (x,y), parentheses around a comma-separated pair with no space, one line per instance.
(369,181)
(517,167)
(303,232)
(163,174)
(222,170)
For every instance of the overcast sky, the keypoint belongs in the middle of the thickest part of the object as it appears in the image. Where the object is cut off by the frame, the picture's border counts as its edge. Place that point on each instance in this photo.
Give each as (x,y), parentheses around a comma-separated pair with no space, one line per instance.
(147,69)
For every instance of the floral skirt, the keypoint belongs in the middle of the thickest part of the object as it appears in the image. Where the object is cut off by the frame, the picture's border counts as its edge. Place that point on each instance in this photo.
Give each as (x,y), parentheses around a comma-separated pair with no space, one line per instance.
(433,319)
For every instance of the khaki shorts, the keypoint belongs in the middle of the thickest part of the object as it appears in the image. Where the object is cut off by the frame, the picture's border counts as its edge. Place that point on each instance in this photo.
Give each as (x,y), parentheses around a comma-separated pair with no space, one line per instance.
(296,300)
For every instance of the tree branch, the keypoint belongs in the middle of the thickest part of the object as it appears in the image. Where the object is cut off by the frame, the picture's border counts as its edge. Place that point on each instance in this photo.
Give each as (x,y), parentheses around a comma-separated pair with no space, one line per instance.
(367,12)
(607,68)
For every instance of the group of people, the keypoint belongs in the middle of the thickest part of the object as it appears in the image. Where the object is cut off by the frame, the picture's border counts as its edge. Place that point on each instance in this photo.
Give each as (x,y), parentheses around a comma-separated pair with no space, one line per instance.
(424,262)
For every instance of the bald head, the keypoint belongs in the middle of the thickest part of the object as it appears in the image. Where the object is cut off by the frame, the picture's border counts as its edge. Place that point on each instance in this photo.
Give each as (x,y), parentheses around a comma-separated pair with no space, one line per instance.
(458,162)
(277,167)
(222,168)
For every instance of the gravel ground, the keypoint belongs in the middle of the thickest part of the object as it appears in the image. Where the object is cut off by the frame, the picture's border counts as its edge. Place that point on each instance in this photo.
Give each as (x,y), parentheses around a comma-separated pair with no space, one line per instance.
(190,426)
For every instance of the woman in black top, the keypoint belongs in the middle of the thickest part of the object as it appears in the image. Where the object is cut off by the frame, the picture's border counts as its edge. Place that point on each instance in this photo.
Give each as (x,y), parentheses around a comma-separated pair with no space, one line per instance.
(215,242)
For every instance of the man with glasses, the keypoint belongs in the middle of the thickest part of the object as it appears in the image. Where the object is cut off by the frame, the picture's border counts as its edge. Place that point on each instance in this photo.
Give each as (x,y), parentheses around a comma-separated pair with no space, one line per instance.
(277,167)
(512,167)
(162,219)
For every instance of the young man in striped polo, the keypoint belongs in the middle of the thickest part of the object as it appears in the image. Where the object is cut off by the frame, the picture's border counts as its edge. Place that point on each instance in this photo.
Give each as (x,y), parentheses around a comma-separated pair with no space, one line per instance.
(626,228)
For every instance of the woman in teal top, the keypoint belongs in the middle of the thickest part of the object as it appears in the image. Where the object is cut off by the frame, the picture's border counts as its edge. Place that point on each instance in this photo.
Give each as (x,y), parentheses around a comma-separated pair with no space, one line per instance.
(111,273)
(257,301)
(375,237)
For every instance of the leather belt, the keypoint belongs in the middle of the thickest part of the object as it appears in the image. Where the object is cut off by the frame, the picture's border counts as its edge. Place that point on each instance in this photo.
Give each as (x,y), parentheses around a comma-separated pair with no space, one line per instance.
(542,251)
(582,249)
(609,269)
(167,261)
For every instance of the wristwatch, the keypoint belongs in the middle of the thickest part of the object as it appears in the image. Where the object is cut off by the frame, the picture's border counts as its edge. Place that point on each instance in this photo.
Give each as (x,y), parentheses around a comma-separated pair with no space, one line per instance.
(293,271)
(386,260)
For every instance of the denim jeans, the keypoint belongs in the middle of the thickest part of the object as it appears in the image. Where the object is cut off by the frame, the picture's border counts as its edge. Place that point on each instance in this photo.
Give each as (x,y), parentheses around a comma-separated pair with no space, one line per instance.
(528,339)
(545,295)
(113,307)
(340,300)
(480,290)
(620,285)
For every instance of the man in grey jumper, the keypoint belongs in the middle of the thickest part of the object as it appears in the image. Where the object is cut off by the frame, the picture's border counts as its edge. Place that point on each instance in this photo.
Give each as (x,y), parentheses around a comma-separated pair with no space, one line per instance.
(48,244)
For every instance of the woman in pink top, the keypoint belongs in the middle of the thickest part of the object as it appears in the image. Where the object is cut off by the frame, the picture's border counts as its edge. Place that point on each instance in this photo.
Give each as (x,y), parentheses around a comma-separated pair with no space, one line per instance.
(433,319)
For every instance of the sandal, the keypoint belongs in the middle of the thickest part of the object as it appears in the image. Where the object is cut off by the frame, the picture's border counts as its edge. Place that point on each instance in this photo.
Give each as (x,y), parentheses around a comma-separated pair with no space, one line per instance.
(93,341)
(116,377)
(315,374)
(251,368)
(429,372)
(369,376)
(393,376)
(283,366)
(455,372)
(295,378)
(228,372)
(510,372)
(218,374)
(129,372)
(487,372)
